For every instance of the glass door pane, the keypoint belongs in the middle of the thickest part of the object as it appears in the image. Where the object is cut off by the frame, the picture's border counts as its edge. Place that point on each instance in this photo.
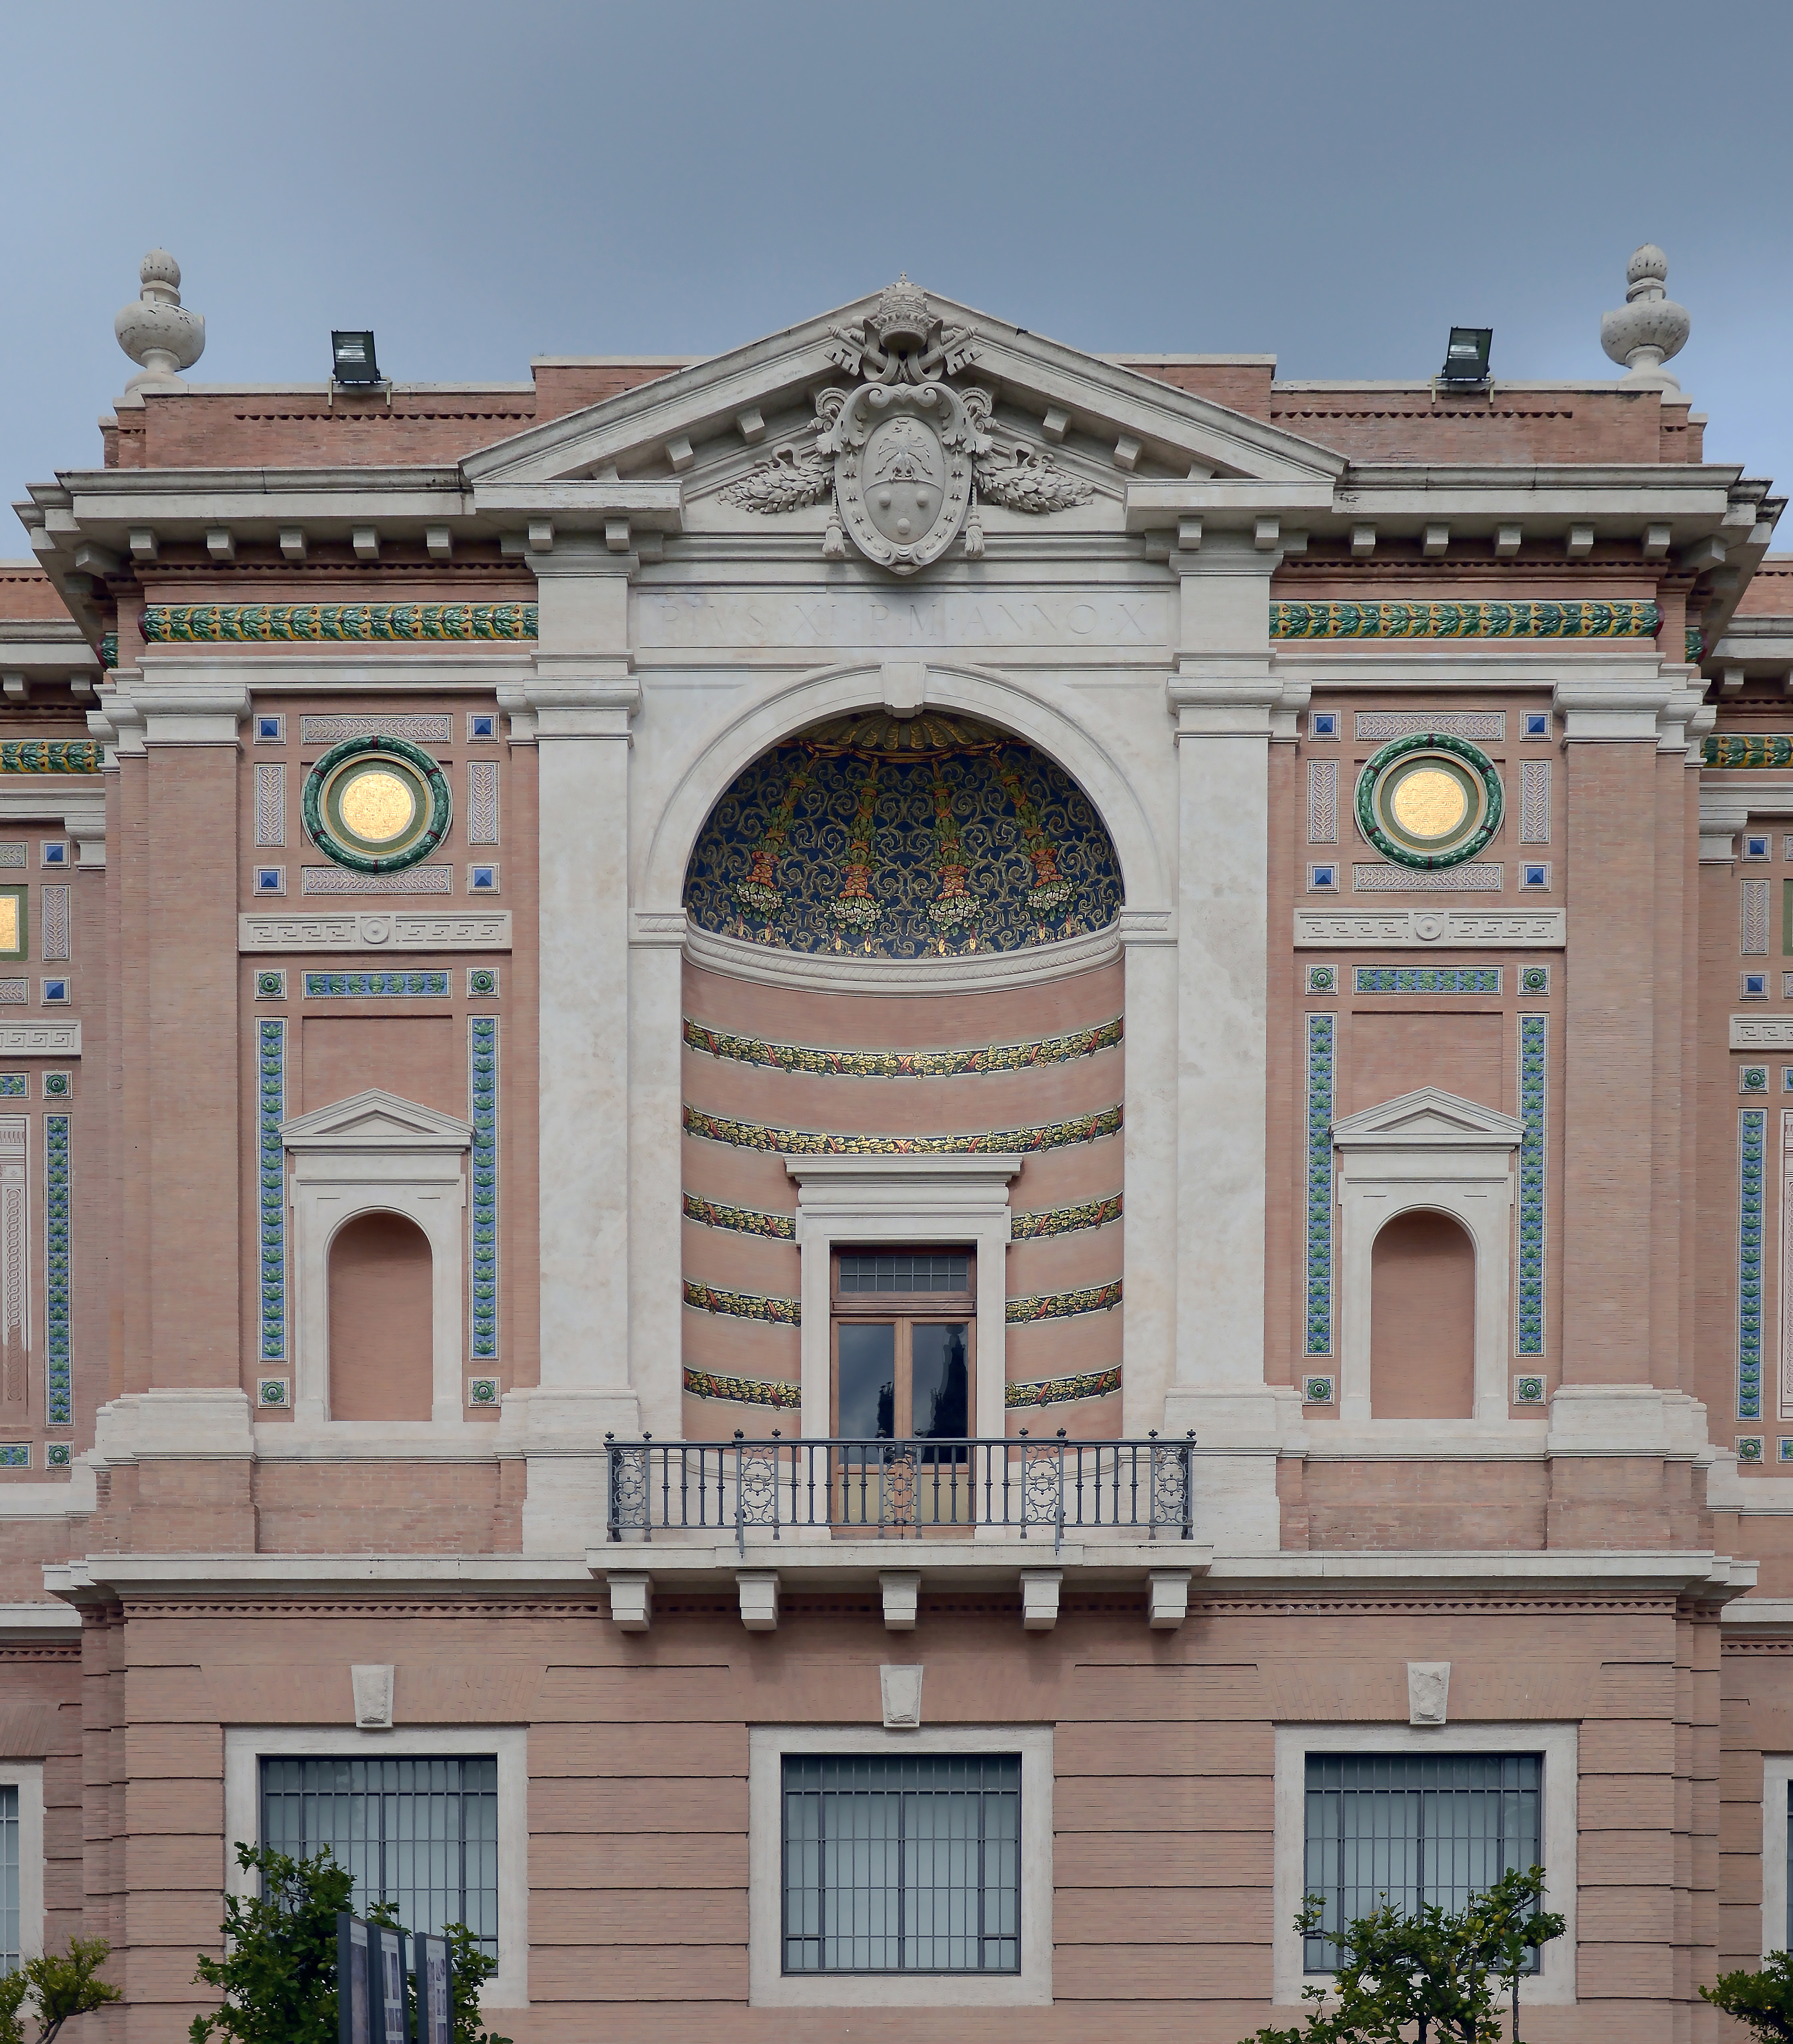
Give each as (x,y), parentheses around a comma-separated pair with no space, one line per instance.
(867,1380)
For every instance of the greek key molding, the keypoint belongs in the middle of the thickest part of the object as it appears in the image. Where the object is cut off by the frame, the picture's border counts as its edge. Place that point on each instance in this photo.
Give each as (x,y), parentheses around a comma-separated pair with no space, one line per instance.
(40,1039)
(1441,928)
(399,930)
(1762,1033)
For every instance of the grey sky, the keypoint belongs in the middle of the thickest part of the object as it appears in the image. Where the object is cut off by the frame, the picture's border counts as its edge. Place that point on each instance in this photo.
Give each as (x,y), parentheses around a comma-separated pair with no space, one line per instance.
(1334,185)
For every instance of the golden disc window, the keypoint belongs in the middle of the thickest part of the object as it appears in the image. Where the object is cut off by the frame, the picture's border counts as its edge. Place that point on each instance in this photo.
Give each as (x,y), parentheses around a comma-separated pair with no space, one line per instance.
(377,803)
(1428,799)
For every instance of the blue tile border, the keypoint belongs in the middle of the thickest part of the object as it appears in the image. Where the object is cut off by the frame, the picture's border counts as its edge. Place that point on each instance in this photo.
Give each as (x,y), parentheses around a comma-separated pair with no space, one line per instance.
(1322,1030)
(482,1083)
(1534,1089)
(1427,979)
(372,985)
(1752,1138)
(59,1404)
(271,1110)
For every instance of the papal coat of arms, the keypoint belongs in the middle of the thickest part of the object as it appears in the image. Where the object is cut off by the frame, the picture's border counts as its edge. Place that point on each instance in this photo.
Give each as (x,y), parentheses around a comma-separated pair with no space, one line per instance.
(905,454)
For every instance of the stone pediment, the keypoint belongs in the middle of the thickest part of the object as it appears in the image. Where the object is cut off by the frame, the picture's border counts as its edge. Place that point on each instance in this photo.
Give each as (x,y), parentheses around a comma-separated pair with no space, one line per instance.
(375,1120)
(1429,1119)
(704,429)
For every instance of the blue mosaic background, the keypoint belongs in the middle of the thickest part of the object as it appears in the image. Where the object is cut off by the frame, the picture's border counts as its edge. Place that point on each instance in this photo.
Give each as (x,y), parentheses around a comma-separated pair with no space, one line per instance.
(913,909)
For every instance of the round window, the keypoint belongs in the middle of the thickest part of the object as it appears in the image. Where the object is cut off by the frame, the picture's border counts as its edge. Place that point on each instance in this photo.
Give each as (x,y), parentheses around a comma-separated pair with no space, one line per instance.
(1428,799)
(377,803)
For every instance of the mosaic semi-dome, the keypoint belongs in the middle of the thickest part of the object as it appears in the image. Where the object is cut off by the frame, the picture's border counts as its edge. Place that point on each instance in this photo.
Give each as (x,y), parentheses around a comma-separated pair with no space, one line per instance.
(924,836)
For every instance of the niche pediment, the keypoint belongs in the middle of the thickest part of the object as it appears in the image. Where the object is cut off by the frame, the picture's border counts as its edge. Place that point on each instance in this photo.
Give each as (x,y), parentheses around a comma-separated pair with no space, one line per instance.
(375,1120)
(1429,1119)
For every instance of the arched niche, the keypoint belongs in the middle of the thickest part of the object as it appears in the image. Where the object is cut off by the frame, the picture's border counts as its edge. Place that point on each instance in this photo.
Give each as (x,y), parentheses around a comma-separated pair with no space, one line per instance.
(382,1363)
(375,1153)
(1430,1151)
(1422,1318)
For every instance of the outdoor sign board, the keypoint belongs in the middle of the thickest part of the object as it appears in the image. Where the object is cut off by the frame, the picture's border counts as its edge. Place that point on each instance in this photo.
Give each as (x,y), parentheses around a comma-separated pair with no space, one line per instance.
(387,1949)
(434,1998)
(354,2010)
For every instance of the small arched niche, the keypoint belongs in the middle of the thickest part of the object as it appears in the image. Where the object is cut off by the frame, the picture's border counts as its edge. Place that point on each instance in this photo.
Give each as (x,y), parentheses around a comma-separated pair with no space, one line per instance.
(381,1276)
(1422,1318)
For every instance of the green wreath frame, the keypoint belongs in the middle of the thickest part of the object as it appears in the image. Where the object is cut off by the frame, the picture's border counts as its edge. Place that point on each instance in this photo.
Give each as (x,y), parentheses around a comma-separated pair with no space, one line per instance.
(1493,802)
(441,804)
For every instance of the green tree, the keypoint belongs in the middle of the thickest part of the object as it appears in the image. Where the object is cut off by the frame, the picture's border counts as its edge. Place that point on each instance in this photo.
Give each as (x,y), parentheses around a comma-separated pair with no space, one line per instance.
(55,1988)
(1435,1975)
(1763,2001)
(279,1973)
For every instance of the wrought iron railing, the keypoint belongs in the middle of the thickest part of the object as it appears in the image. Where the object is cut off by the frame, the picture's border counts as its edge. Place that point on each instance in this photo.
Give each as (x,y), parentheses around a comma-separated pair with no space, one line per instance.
(902,1489)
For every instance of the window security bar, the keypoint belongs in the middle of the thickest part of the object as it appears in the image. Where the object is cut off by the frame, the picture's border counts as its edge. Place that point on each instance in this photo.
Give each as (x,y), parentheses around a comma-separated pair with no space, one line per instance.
(902,1489)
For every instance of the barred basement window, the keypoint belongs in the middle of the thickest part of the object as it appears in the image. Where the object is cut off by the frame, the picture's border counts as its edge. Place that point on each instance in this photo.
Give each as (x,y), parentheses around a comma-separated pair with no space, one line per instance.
(8,1881)
(902,1865)
(420,1834)
(1414,1829)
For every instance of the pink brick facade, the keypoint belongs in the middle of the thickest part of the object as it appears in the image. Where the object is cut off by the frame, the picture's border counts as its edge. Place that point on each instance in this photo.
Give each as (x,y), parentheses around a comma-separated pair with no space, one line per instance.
(639,1112)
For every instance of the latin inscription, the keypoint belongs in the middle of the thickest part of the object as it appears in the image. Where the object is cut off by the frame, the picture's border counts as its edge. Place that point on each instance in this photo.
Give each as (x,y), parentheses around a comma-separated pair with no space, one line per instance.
(858,618)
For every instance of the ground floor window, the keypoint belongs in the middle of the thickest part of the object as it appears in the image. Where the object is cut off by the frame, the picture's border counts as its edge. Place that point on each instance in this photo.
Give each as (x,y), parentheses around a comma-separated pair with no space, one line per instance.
(1416,1828)
(906,1864)
(10,1867)
(421,1833)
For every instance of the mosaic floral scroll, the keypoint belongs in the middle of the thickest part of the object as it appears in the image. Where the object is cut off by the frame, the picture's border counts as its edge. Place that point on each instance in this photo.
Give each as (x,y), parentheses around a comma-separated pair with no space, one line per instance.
(184,624)
(1751,1128)
(482,1084)
(1534,1035)
(1062,1306)
(903,1064)
(1062,1390)
(1044,1221)
(742,1305)
(744,1390)
(1626,619)
(271,1110)
(740,1221)
(1321,1032)
(811,1143)
(58,1406)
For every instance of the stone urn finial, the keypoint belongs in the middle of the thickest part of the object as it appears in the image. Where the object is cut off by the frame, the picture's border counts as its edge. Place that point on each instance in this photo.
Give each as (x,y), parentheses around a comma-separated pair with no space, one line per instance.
(157,330)
(1649,326)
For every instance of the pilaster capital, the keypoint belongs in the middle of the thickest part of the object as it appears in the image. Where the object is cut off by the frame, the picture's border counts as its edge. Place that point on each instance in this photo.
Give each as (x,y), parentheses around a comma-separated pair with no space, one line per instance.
(1235,696)
(188,712)
(573,698)
(1606,711)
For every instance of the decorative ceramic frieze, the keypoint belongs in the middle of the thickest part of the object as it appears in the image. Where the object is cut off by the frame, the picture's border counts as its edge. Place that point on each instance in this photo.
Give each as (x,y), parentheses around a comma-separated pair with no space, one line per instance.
(40,1039)
(1062,1390)
(251,623)
(50,755)
(57,1085)
(383,930)
(414,880)
(15,992)
(271,1110)
(53,924)
(1062,1306)
(1478,879)
(1322,1030)
(12,855)
(1046,1221)
(1627,619)
(740,1220)
(1533,1043)
(482,1109)
(274,1392)
(1529,1391)
(1436,929)
(810,1143)
(1424,979)
(482,1391)
(1319,1390)
(14,1086)
(903,1064)
(1379,725)
(15,1278)
(1748,748)
(372,985)
(1752,1127)
(59,1403)
(15,1454)
(743,1390)
(742,1305)
(420,728)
